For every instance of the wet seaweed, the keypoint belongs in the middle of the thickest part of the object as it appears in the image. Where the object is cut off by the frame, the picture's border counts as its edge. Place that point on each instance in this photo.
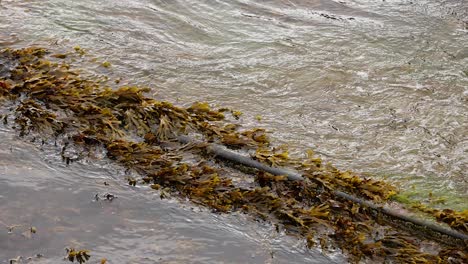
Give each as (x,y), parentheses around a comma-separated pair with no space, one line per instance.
(141,134)
(81,256)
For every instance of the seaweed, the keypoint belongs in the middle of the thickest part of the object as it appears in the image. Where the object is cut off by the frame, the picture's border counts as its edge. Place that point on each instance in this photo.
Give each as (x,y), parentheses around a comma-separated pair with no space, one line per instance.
(141,133)
(81,256)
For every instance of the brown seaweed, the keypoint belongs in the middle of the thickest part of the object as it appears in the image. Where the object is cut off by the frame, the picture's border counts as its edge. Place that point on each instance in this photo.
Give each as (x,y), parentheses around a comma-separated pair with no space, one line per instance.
(134,130)
(81,256)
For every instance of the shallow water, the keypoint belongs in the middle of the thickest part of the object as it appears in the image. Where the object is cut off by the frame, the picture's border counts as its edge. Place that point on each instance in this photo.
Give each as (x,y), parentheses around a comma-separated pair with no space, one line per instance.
(136,227)
(378,87)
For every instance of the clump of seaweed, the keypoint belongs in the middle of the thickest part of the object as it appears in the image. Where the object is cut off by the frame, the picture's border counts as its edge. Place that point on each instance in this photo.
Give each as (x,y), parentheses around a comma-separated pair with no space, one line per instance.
(457,220)
(141,134)
(81,256)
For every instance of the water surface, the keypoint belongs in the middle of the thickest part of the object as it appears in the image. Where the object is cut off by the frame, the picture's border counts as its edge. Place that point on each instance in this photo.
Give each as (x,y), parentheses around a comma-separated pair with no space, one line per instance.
(40,191)
(377,87)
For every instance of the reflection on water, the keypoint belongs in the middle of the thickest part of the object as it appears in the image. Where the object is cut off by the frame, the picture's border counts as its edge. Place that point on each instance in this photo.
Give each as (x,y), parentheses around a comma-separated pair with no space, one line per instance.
(379,87)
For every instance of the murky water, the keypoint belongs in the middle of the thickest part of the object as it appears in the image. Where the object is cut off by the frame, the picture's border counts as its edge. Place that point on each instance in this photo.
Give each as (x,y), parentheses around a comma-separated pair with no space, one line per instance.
(378,87)
(135,227)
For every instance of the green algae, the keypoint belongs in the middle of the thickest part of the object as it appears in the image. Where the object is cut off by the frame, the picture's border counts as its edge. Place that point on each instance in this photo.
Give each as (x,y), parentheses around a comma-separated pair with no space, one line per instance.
(135,130)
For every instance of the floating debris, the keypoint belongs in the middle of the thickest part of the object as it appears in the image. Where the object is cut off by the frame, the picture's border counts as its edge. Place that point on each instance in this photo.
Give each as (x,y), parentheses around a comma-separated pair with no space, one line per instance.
(81,256)
(59,56)
(106,64)
(79,50)
(108,196)
(132,181)
(236,114)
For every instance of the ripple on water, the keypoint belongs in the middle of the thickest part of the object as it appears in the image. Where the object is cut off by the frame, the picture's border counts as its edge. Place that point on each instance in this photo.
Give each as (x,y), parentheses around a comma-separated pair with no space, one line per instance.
(383,93)
(137,226)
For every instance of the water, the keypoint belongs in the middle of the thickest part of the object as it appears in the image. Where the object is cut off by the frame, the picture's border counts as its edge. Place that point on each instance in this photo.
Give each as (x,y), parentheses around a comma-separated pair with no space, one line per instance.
(136,227)
(378,87)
